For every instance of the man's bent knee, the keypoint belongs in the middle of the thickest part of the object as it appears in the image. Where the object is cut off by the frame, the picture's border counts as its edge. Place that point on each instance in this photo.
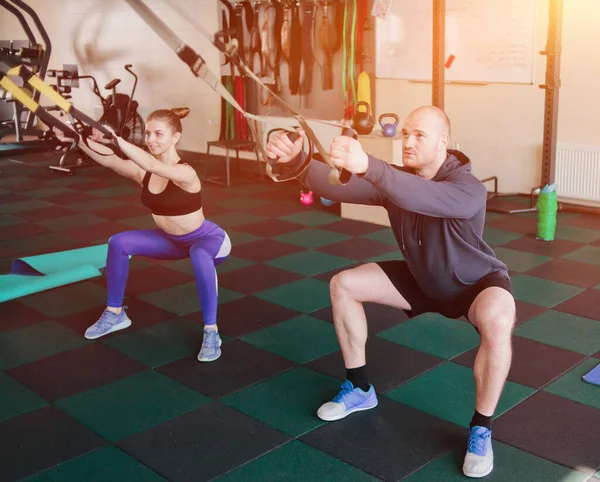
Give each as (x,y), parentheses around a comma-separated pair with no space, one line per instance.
(493,313)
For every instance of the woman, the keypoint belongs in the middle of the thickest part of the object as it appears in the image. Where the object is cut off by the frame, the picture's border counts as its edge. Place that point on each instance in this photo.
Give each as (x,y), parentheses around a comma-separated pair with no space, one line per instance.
(171,189)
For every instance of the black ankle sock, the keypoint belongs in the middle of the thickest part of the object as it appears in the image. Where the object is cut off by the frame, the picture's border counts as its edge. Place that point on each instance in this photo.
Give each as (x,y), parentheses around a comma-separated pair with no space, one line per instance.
(358,377)
(481,420)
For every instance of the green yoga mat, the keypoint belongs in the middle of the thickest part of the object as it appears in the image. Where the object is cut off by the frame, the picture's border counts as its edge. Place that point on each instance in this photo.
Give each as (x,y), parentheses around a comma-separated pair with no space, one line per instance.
(47,271)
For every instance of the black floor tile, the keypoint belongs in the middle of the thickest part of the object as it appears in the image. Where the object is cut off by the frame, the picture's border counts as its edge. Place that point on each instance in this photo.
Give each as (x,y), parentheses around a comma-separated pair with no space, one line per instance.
(530,244)
(270,228)
(326,277)
(240,365)
(202,444)
(389,442)
(45,214)
(352,227)
(16,315)
(388,364)
(586,304)
(249,314)
(74,371)
(264,250)
(41,439)
(358,248)
(379,317)
(534,364)
(527,311)
(567,271)
(255,278)
(554,428)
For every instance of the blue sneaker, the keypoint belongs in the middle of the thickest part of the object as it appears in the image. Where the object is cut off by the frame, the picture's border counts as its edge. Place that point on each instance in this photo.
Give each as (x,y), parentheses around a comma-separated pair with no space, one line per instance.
(479,460)
(349,400)
(211,346)
(108,323)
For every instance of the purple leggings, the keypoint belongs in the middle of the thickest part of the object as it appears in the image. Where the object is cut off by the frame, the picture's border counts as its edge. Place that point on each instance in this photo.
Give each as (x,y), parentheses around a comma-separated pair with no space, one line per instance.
(207,247)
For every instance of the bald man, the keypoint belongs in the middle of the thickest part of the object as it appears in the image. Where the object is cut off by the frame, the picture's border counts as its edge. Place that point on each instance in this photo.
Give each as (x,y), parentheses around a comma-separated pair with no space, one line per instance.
(436,209)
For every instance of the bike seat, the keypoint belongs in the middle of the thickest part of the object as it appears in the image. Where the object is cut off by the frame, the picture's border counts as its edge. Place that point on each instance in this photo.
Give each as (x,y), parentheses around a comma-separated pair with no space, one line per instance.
(112,84)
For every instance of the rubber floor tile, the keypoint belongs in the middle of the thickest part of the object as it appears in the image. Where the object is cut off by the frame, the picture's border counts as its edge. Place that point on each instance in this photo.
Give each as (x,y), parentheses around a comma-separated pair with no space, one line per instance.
(570,332)
(575,233)
(304,296)
(519,261)
(297,462)
(388,364)
(101,231)
(41,439)
(351,227)
(236,219)
(310,263)
(26,345)
(434,334)
(510,465)
(16,398)
(242,203)
(132,404)
(587,254)
(250,314)
(70,199)
(586,304)
(300,339)
(75,371)
(312,238)
(154,278)
(390,441)
(143,221)
(311,218)
(379,317)
(542,292)
(21,231)
(264,250)
(358,249)
(67,300)
(232,263)
(202,444)
(102,465)
(515,224)
(95,205)
(239,237)
(121,212)
(47,193)
(240,366)
(114,191)
(385,235)
(554,428)
(257,277)
(530,244)
(41,243)
(448,392)
(570,385)
(284,402)
(9,220)
(21,206)
(569,272)
(270,228)
(16,315)
(526,311)
(499,237)
(277,210)
(533,364)
(45,214)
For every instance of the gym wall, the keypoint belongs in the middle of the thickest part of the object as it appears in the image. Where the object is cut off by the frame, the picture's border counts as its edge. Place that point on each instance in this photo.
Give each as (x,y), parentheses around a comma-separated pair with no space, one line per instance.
(500,126)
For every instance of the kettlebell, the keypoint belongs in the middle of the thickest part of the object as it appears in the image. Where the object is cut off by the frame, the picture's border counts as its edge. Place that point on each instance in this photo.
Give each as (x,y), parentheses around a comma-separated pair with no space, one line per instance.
(362,122)
(388,130)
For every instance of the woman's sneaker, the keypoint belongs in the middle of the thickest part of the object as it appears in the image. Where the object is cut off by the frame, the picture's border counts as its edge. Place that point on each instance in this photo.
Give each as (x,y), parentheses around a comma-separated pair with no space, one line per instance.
(211,346)
(349,400)
(108,323)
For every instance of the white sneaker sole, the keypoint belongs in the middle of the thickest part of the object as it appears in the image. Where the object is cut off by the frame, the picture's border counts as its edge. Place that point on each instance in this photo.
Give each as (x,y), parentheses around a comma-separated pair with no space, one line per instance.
(120,326)
(478,476)
(345,414)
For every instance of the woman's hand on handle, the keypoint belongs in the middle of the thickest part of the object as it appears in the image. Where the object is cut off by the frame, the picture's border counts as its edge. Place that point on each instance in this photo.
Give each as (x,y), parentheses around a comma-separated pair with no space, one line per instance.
(282,148)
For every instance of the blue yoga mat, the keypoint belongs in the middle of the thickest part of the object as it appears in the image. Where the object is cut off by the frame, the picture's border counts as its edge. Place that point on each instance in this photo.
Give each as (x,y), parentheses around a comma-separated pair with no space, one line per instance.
(47,271)
(593,376)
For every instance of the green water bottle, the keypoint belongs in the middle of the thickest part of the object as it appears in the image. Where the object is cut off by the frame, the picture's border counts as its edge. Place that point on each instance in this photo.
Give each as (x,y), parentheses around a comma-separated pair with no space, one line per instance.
(547,206)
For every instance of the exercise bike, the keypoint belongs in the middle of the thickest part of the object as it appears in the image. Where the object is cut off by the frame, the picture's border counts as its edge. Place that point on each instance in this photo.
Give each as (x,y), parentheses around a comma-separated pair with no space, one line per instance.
(119,111)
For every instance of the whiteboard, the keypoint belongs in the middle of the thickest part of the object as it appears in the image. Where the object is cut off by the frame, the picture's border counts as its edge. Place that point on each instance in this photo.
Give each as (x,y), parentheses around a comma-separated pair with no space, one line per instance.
(491,40)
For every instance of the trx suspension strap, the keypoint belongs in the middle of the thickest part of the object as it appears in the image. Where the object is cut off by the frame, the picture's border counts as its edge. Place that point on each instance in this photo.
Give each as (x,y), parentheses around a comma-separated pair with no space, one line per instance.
(200,69)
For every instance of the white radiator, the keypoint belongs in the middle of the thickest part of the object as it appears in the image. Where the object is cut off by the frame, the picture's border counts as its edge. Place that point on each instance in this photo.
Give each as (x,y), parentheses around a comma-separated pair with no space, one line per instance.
(578,172)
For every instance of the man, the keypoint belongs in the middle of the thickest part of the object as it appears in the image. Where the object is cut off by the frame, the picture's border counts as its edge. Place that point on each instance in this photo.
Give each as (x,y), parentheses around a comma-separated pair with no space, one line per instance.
(436,209)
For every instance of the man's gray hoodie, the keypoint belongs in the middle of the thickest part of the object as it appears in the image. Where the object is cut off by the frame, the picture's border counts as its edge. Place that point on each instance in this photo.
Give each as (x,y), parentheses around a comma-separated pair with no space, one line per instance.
(438,223)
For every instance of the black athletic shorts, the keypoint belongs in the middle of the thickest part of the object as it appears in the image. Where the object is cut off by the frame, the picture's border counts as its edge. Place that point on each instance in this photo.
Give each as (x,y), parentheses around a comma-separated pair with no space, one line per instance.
(405,283)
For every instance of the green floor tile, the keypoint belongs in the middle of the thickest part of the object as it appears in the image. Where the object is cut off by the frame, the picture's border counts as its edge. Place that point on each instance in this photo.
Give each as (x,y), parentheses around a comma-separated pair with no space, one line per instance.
(132,404)
(251,189)
(232,220)
(311,218)
(490,216)
(312,238)
(305,295)
(434,334)
(448,392)
(68,300)
(497,237)
(300,339)
(541,292)
(384,235)
(95,205)
(238,238)
(183,299)
(391,256)
(49,191)
(114,191)
(310,263)
(21,206)
(16,399)
(35,342)
(14,180)
(70,180)
(71,222)
(284,403)
(107,464)
(9,220)
(42,243)
(297,462)
(139,222)
(232,263)
(510,465)
(571,386)
(520,261)
(587,254)
(241,203)
(575,233)
(563,330)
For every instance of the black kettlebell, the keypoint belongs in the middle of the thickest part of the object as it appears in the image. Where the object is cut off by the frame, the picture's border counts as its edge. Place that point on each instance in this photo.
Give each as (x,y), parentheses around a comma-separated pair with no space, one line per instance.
(388,130)
(362,122)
